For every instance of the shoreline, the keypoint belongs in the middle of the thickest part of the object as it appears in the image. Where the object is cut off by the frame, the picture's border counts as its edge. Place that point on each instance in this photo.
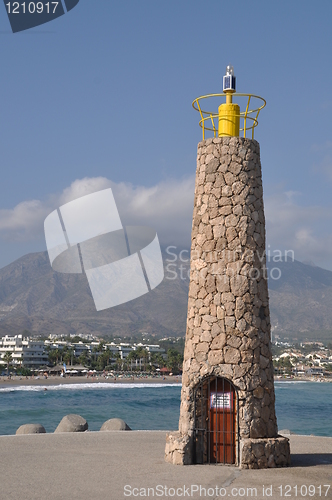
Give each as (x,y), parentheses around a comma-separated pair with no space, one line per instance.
(74,380)
(56,380)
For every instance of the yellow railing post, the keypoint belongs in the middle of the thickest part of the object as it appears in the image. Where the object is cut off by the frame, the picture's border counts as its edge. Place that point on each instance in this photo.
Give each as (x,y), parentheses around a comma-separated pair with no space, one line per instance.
(245,117)
(199,108)
(214,128)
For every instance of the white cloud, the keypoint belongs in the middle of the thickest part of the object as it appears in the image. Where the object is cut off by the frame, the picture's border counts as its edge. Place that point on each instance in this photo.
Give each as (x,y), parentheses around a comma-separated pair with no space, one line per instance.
(166,207)
(81,187)
(22,223)
(305,229)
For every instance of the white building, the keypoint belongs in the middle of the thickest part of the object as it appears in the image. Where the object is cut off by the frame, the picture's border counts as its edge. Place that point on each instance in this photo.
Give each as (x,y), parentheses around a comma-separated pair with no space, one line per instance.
(31,353)
(25,352)
(34,354)
(122,349)
(80,348)
(14,346)
(154,348)
(114,348)
(58,344)
(125,349)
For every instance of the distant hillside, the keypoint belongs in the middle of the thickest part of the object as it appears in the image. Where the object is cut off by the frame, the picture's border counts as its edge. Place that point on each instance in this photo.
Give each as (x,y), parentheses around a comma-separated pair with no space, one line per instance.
(301,302)
(34,297)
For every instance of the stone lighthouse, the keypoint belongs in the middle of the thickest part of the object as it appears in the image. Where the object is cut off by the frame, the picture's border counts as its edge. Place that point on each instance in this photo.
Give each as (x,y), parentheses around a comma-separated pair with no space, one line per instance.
(227,412)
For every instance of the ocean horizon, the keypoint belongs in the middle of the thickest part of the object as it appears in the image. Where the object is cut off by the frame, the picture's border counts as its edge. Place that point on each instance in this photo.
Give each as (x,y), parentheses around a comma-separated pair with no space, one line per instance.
(302,407)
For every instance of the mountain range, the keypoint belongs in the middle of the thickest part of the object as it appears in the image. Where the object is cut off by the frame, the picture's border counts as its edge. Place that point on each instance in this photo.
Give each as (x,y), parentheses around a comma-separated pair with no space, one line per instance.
(34,297)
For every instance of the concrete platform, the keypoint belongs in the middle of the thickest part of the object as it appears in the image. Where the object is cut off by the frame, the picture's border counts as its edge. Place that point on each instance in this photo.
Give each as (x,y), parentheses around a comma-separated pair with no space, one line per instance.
(98,466)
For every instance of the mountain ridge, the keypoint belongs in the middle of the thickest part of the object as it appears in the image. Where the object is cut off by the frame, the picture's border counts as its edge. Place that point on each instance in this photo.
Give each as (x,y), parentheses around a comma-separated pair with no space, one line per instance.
(34,297)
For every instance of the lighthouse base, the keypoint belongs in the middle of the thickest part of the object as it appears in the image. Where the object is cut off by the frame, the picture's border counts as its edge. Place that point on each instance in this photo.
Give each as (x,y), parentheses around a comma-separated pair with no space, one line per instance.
(261,453)
(264,453)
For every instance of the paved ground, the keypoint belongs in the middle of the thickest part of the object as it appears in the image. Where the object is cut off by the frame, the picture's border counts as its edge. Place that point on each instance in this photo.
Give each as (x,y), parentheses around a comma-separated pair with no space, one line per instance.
(98,466)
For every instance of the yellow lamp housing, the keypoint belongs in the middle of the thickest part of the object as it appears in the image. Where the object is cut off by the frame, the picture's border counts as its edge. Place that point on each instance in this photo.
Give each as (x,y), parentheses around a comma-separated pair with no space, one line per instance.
(229,120)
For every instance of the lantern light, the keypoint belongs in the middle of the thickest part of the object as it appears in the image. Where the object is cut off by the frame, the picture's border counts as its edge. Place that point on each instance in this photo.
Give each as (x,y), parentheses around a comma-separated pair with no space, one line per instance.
(229,80)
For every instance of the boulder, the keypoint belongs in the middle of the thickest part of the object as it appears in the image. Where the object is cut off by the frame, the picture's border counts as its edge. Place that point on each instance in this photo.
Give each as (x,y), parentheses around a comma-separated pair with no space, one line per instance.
(31,429)
(286,432)
(72,423)
(115,424)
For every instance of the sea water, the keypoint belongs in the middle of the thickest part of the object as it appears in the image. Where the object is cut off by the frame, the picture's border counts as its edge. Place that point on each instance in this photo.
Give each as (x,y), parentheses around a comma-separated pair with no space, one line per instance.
(302,407)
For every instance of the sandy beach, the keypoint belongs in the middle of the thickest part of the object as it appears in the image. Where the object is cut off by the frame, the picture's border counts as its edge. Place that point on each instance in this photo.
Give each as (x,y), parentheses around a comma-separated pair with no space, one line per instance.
(57,380)
(167,379)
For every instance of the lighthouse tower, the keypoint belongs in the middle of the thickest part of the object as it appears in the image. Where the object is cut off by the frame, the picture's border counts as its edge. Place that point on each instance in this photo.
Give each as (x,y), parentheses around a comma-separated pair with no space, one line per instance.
(227,412)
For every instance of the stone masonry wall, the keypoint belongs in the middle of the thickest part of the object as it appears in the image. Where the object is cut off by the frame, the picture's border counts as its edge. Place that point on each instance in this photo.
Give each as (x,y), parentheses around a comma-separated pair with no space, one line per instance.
(228,322)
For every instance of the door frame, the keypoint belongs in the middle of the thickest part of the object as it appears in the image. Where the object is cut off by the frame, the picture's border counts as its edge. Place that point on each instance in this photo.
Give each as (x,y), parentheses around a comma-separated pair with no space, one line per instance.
(202,423)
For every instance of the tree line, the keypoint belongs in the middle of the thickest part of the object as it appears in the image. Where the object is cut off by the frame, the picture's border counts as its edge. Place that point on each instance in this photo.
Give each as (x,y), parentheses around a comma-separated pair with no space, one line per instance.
(102,358)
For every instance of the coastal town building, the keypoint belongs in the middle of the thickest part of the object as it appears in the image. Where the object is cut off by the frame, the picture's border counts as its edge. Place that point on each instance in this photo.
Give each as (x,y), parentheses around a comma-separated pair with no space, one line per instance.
(32,353)
(84,336)
(124,349)
(309,365)
(80,348)
(29,353)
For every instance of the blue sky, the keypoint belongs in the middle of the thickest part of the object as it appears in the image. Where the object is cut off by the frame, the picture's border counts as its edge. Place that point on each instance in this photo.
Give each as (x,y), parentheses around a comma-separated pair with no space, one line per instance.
(102,96)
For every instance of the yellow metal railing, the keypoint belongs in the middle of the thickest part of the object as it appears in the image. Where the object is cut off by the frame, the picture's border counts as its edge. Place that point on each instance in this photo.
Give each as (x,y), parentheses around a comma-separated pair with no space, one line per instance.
(248,118)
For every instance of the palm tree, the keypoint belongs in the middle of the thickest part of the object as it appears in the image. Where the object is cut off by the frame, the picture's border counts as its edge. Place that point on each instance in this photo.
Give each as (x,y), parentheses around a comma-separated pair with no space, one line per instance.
(108,355)
(118,358)
(20,360)
(140,356)
(94,351)
(51,356)
(57,355)
(83,359)
(8,358)
(103,360)
(68,356)
(145,358)
(174,360)
(132,356)
(157,359)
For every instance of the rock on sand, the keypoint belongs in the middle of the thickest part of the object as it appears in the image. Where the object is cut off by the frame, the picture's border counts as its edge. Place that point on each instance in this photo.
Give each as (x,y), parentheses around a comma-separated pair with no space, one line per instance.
(72,423)
(115,424)
(31,429)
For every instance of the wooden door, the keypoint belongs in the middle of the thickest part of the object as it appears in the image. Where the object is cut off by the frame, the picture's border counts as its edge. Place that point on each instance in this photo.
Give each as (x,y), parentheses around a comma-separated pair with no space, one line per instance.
(222,418)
